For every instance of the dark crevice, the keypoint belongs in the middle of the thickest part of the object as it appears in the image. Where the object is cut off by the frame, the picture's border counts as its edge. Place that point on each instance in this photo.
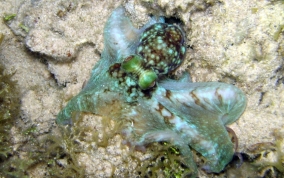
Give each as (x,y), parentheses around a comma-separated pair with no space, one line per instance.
(279,81)
(173,20)
(261,98)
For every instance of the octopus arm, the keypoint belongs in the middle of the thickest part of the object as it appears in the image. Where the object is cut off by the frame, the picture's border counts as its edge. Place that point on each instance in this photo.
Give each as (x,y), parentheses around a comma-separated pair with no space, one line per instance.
(121,38)
(199,112)
(93,102)
(148,126)
(173,138)
(225,101)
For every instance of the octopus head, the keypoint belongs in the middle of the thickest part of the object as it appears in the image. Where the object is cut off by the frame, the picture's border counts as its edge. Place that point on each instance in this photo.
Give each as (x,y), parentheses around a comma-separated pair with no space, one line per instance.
(161,49)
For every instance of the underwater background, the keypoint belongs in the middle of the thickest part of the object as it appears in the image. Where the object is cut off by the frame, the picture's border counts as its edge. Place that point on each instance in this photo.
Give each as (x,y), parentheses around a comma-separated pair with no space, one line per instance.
(47,52)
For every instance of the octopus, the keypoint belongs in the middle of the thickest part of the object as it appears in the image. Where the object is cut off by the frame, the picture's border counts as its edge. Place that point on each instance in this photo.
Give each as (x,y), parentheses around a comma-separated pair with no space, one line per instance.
(131,83)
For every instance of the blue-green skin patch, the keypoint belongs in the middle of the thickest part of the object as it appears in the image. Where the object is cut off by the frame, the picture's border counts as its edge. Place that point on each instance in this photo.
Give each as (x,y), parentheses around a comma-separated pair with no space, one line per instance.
(188,115)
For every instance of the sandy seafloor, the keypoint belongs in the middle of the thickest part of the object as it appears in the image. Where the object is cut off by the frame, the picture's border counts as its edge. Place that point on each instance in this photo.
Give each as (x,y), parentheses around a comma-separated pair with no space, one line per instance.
(239,42)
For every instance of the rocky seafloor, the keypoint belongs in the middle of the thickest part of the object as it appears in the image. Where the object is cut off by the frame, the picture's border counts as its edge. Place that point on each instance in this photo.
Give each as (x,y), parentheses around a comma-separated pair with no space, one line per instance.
(48,49)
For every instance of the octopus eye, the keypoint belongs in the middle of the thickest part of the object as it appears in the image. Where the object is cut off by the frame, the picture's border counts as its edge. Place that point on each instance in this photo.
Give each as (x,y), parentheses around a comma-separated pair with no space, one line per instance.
(132,64)
(152,84)
(128,58)
(147,79)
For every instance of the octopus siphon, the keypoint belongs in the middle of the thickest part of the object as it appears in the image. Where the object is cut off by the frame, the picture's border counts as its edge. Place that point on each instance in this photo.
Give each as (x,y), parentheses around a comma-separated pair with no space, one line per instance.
(130,82)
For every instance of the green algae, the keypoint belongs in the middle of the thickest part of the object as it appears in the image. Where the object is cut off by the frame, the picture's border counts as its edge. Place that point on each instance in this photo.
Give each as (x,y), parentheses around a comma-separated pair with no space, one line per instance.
(25,28)
(57,154)
(9,17)
(279,32)
(30,130)
(1,38)
(46,154)
(34,150)
(165,161)
(9,111)
(254,10)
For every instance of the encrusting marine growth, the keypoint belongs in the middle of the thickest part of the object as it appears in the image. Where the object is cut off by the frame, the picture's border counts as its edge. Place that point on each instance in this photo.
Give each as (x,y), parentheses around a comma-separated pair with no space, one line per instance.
(130,84)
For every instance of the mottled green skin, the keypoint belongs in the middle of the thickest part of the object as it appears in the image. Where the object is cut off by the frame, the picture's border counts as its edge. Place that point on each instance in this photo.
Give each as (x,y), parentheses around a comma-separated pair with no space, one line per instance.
(176,111)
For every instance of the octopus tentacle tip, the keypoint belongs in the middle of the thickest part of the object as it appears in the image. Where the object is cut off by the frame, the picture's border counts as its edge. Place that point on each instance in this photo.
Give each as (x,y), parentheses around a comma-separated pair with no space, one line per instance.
(120,36)
(240,159)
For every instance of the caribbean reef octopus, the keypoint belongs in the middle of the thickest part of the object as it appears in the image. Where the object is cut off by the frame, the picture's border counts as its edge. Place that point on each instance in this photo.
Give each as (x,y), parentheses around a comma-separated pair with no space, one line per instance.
(130,83)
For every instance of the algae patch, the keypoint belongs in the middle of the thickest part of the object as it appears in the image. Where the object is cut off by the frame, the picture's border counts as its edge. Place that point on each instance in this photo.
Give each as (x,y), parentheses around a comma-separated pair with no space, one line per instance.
(9,17)
(9,111)
(1,38)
